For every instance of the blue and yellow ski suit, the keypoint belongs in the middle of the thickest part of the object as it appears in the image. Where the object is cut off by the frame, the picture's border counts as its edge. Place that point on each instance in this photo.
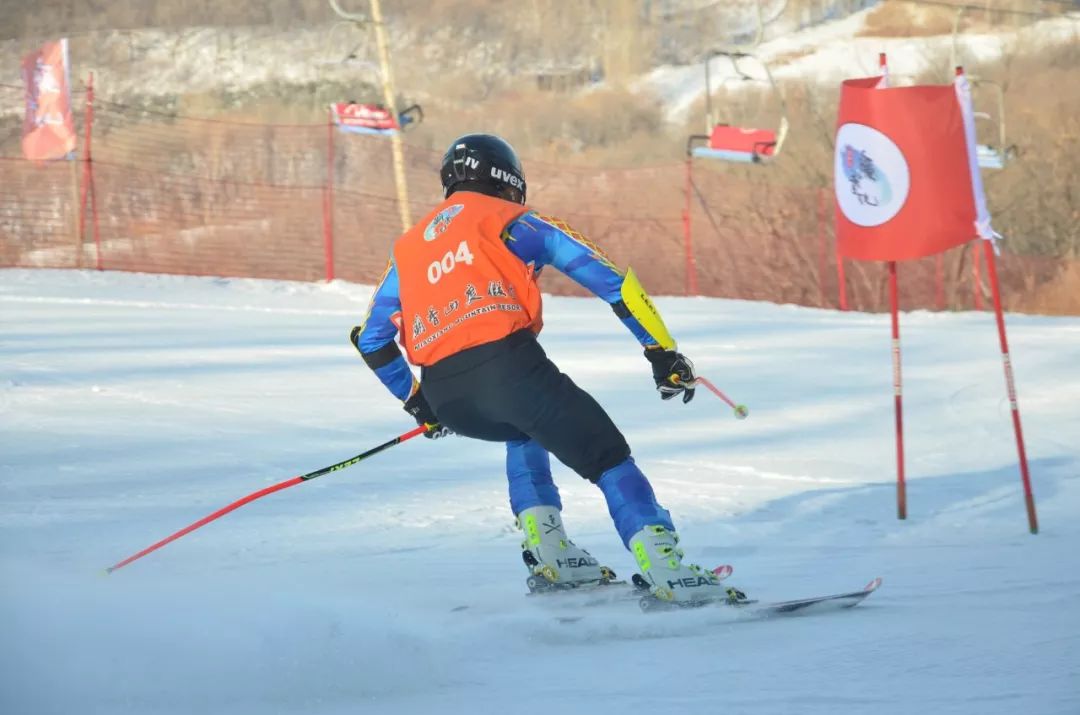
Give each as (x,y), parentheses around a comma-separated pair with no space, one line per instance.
(542,411)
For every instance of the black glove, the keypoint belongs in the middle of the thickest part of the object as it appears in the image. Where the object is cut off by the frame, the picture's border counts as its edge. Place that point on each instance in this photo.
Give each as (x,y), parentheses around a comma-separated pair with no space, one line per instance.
(418,407)
(673,373)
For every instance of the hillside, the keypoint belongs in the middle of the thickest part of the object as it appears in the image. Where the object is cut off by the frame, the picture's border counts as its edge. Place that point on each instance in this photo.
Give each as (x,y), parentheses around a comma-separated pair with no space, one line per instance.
(603,129)
(454,54)
(580,94)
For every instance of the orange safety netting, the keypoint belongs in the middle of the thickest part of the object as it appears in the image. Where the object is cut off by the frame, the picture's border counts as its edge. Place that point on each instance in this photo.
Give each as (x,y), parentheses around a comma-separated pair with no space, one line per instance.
(174,194)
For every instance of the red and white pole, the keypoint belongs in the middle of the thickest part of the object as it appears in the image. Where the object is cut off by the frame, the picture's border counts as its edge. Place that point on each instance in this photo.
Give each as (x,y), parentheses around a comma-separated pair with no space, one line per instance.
(691,284)
(822,248)
(976,281)
(328,200)
(85,188)
(841,282)
(898,400)
(89,190)
(939,281)
(898,393)
(1010,385)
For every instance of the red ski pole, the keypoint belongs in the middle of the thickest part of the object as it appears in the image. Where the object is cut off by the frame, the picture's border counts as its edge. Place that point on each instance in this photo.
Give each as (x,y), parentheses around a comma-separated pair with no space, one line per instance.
(263,492)
(741,411)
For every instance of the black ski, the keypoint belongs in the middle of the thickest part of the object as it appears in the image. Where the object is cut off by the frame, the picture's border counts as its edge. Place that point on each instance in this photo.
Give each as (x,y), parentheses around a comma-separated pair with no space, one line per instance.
(651,604)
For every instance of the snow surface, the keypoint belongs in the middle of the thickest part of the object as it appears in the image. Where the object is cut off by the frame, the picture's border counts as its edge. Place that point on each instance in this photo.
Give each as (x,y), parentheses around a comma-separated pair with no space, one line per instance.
(134,405)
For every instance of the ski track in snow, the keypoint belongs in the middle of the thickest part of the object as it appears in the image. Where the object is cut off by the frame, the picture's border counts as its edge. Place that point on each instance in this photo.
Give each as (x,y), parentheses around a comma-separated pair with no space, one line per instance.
(133,405)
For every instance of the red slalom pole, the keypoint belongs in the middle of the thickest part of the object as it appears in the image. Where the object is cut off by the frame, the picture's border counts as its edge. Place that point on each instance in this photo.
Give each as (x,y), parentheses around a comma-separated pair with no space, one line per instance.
(263,492)
(898,397)
(1010,385)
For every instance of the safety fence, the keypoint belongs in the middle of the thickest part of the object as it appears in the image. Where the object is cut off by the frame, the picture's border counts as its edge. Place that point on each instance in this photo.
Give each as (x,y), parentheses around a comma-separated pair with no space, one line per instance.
(154,192)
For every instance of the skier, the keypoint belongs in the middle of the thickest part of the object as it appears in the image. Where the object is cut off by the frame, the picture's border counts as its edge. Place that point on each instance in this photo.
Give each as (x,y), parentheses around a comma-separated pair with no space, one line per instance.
(461,287)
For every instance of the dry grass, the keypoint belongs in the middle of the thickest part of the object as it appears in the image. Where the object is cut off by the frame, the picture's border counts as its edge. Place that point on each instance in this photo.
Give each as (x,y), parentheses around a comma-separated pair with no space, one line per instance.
(616,124)
(72,17)
(1061,296)
(901,19)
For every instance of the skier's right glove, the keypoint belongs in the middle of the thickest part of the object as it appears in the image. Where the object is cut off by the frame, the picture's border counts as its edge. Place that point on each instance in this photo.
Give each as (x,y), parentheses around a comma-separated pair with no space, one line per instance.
(417,406)
(673,373)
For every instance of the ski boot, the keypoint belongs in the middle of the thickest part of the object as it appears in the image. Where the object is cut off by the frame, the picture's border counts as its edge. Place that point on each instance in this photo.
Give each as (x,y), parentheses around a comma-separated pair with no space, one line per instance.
(670,582)
(554,562)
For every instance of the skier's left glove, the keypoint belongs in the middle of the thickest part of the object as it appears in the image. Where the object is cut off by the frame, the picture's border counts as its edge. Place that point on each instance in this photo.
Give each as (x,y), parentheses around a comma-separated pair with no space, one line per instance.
(673,373)
(417,406)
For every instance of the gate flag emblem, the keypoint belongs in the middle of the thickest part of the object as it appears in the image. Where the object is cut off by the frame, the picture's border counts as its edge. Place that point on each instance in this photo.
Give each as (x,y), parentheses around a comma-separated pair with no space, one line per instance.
(905,180)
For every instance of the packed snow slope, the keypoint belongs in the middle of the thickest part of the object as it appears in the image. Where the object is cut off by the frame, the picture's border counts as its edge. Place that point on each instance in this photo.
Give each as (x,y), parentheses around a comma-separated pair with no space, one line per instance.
(134,405)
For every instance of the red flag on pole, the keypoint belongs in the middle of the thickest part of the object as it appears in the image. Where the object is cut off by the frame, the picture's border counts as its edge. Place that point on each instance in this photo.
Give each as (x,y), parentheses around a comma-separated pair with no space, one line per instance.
(48,127)
(906,178)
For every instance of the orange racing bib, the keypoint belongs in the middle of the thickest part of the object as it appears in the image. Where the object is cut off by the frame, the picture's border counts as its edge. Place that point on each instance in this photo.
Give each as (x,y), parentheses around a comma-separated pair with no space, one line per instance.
(460,286)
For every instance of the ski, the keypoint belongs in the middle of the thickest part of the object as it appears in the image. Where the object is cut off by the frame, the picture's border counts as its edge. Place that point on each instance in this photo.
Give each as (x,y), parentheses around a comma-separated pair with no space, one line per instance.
(838,600)
(651,604)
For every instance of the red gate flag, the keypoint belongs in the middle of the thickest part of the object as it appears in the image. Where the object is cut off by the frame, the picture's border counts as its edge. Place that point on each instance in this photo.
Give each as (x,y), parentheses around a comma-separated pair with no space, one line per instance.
(48,128)
(906,173)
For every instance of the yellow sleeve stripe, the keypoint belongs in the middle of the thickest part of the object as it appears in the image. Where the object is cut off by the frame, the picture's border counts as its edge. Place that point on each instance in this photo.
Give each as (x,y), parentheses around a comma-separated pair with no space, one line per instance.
(639,304)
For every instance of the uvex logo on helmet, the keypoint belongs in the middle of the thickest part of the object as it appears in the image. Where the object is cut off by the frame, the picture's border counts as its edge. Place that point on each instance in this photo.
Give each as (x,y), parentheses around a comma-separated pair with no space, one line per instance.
(507,177)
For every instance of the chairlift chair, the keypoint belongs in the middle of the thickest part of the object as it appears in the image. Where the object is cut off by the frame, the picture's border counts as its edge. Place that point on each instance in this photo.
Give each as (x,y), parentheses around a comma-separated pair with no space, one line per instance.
(411,115)
(738,144)
(365,117)
(988,156)
(360,118)
(992,156)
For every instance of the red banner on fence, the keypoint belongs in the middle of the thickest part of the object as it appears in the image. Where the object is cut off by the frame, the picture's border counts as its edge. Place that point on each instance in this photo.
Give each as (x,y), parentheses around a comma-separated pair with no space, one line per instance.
(48,127)
(907,185)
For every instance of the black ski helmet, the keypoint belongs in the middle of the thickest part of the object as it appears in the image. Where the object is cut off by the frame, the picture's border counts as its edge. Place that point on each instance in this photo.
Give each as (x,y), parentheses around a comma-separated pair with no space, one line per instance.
(485,162)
